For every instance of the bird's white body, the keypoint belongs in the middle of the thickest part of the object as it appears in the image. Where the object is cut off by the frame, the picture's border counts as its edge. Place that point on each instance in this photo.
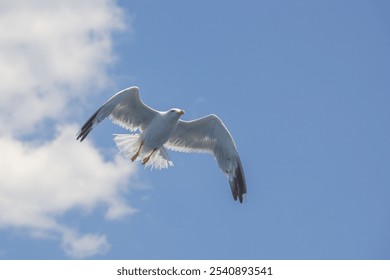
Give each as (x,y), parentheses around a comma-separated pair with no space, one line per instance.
(160,129)
(164,130)
(153,137)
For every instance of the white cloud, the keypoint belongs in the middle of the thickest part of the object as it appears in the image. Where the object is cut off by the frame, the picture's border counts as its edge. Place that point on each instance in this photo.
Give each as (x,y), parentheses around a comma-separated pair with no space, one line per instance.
(40,183)
(55,54)
(46,180)
(80,247)
(51,51)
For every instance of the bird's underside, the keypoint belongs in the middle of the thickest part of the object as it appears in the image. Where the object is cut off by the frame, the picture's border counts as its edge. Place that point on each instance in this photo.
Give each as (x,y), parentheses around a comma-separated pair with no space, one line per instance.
(164,130)
(135,150)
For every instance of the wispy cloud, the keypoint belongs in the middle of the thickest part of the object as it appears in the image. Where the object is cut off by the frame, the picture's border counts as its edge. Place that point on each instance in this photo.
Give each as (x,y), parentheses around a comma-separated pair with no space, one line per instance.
(79,247)
(54,54)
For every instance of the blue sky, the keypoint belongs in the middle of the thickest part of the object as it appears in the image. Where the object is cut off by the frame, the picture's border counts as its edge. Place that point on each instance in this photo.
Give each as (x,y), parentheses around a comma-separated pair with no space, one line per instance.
(302,86)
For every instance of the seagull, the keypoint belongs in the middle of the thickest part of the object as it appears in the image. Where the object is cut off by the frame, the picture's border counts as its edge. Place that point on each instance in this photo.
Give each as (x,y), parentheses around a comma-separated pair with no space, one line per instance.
(159,131)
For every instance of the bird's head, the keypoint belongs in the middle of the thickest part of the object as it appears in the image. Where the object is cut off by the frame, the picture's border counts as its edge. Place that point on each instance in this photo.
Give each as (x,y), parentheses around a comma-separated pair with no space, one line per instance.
(175,113)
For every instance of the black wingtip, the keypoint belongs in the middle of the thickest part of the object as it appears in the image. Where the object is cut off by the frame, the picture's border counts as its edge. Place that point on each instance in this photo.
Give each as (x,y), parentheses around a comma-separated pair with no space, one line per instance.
(238,185)
(86,128)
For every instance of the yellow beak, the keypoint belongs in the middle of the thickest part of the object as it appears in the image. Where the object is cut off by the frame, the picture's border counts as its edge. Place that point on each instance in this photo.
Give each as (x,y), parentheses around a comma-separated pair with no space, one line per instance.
(181,112)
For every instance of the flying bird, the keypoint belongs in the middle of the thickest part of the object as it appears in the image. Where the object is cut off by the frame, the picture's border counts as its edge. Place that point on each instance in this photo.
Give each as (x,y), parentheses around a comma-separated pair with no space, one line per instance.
(159,131)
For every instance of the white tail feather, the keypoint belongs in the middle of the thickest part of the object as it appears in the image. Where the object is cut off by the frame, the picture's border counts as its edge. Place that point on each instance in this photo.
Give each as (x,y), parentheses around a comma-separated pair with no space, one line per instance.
(128,144)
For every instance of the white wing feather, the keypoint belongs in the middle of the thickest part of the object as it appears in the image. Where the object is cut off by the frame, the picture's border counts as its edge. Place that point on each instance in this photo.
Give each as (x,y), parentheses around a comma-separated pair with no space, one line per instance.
(124,109)
(209,135)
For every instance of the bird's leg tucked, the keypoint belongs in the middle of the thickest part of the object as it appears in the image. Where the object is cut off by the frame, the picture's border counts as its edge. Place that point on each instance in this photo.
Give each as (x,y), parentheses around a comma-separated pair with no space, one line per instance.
(145,160)
(133,158)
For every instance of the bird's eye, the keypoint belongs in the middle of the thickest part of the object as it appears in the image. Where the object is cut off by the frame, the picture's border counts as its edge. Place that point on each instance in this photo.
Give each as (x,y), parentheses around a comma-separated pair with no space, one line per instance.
(172,111)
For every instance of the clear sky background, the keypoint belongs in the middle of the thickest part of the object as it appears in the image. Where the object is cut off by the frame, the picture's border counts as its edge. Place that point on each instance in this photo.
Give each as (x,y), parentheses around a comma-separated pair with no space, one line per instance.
(303,86)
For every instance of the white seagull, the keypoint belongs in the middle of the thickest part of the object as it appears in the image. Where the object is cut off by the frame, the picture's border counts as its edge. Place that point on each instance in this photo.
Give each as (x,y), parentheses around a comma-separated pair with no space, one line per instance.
(161,130)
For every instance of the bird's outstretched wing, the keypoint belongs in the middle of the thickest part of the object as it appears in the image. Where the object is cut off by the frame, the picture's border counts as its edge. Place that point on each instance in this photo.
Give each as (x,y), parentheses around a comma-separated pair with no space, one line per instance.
(124,109)
(209,135)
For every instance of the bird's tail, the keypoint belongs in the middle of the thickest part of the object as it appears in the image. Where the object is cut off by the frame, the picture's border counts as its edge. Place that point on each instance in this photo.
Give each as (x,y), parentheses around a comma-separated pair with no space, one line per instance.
(128,144)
